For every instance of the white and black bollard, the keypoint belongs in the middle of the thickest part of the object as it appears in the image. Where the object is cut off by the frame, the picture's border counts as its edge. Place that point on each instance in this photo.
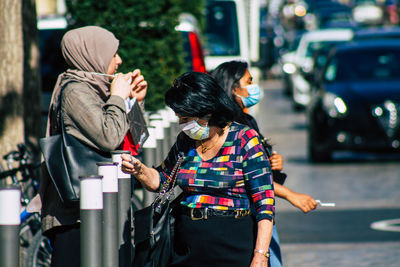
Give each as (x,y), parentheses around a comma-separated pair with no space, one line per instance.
(91,205)
(10,206)
(167,132)
(149,154)
(160,137)
(124,211)
(109,171)
(169,122)
(174,125)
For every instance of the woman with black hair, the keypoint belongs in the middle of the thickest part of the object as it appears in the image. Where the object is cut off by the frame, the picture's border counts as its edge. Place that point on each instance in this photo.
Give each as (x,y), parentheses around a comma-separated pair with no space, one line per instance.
(224,173)
(235,78)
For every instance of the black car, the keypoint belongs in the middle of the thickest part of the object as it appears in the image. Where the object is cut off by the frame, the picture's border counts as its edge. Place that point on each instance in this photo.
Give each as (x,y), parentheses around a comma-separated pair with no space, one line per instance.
(356,105)
(365,34)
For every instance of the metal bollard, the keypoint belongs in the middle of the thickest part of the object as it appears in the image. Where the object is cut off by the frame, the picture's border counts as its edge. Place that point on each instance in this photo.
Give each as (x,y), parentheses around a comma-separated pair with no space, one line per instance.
(159,135)
(91,205)
(166,124)
(149,154)
(10,206)
(109,171)
(124,211)
(172,126)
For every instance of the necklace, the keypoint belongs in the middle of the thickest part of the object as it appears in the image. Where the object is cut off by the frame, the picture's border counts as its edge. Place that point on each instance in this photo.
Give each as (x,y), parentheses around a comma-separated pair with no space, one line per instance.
(204,148)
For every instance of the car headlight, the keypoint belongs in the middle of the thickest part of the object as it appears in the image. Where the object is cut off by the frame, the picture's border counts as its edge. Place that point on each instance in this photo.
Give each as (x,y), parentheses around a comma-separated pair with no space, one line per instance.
(334,105)
(289,68)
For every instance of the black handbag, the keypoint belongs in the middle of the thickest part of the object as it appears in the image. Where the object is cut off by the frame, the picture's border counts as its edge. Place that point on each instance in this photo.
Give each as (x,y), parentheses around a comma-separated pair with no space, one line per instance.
(66,159)
(154,226)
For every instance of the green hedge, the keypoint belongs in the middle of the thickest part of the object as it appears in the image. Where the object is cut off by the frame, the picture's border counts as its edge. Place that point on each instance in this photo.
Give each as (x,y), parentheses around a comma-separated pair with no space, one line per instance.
(146,30)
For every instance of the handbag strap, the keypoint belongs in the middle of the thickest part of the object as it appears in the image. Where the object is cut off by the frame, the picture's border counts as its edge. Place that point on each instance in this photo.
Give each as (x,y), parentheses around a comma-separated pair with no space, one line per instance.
(58,109)
(167,189)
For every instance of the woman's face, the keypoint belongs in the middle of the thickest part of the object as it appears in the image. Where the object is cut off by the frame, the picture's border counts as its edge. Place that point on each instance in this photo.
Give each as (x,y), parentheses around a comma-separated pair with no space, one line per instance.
(246,80)
(113,66)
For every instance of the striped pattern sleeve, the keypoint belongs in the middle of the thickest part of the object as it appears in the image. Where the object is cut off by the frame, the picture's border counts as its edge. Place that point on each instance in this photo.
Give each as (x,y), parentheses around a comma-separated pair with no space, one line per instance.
(168,164)
(257,175)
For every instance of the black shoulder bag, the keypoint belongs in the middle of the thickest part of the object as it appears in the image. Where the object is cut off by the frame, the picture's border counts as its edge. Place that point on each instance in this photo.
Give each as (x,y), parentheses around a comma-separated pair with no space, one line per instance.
(66,159)
(154,226)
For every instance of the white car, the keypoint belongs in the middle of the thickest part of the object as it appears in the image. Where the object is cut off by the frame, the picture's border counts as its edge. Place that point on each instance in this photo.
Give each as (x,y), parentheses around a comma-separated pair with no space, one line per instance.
(302,59)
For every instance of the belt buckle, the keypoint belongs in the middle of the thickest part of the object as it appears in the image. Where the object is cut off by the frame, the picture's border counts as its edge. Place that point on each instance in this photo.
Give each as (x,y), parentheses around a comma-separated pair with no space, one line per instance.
(202,212)
(241,213)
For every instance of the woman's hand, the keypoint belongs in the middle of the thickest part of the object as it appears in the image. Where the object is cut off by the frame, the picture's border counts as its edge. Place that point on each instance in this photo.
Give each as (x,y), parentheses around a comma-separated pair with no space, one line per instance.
(138,86)
(302,201)
(259,260)
(148,177)
(131,165)
(276,161)
(120,86)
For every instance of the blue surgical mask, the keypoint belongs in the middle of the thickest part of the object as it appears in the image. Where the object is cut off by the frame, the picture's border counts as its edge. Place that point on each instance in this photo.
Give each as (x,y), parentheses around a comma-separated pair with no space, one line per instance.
(254,95)
(194,130)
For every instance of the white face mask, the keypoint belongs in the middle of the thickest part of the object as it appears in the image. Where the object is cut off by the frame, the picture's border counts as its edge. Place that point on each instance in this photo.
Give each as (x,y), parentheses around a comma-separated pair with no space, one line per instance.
(194,130)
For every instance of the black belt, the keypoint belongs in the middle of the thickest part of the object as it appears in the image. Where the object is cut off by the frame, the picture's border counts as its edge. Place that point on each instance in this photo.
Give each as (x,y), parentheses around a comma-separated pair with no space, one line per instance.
(204,213)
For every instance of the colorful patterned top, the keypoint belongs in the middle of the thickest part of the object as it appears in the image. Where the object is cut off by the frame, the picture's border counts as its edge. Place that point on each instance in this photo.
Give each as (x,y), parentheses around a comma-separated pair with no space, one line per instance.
(239,170)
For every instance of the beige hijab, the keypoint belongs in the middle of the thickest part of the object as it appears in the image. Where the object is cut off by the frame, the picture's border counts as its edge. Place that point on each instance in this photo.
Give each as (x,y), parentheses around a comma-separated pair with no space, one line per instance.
(86,49)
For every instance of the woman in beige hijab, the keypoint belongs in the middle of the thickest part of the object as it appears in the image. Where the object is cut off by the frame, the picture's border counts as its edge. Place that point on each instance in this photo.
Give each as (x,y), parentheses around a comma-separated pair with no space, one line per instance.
(93,111)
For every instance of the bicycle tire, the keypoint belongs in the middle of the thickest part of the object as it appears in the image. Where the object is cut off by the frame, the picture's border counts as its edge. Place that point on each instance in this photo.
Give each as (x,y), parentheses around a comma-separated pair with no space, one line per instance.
(39,251)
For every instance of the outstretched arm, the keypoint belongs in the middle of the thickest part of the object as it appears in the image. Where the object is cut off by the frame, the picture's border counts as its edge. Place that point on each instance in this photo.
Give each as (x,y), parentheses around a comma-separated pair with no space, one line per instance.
(301,201)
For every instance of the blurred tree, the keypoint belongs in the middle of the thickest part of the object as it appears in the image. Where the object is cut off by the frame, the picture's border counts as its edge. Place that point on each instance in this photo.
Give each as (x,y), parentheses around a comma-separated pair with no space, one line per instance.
(19,87)
(32,79)
(146,30)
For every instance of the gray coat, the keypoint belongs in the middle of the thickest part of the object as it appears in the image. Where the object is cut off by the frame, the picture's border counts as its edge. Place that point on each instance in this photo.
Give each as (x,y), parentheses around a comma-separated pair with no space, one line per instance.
(99,124)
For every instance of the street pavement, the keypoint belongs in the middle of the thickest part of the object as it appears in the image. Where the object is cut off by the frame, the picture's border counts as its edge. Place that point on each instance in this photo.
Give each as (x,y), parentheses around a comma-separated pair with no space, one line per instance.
(365,188)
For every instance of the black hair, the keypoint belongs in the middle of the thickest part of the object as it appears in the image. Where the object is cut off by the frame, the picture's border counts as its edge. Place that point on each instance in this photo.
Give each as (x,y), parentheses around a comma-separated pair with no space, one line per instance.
(196,94)
(228,75)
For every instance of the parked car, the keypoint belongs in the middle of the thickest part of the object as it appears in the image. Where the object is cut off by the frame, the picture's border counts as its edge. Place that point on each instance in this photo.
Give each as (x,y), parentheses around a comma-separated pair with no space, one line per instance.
(226,32)
(194,55)
(357,104)
(374,33)
(330,14)
(309,43)
(287,62)
(368,12)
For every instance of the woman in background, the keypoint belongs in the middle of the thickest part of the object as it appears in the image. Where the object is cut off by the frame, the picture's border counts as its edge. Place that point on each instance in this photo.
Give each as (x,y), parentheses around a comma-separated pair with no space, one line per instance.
(234,77)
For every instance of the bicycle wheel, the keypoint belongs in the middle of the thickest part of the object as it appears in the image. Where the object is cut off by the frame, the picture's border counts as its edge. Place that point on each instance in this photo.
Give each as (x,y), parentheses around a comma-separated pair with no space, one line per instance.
(39,251)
